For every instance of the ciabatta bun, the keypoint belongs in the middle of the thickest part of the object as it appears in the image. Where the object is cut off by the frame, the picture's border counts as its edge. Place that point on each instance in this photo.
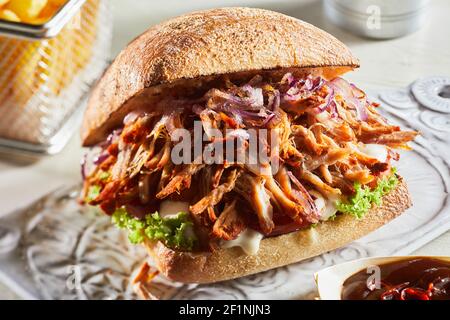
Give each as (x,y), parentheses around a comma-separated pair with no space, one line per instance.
(203,45)
(225,264)
(193,51)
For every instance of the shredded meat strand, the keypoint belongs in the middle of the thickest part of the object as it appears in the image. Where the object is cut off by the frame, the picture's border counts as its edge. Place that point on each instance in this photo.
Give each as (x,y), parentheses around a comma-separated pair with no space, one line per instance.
(252,189)
(320,128)
(230,223)
(180,181)
(216,195)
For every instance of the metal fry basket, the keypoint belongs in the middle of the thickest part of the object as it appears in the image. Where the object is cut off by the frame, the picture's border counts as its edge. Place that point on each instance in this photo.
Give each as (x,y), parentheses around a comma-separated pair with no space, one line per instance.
(47,70)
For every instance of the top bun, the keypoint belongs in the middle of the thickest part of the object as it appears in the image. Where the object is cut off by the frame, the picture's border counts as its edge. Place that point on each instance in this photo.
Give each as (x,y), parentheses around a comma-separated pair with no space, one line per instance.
(203,45)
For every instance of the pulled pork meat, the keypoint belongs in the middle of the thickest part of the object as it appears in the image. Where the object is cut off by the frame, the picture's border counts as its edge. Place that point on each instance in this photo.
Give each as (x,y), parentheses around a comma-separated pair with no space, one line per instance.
(322,130)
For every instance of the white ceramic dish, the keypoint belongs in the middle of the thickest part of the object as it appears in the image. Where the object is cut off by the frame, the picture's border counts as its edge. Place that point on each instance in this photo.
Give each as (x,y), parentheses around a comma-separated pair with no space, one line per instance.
(330,280)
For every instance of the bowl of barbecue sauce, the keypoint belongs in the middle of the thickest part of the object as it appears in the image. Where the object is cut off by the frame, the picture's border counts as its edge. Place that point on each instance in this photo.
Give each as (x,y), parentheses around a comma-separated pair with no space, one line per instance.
(390,278)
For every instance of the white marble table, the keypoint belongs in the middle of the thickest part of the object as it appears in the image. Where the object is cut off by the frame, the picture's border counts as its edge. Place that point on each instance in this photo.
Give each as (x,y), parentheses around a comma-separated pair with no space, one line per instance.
(393,63)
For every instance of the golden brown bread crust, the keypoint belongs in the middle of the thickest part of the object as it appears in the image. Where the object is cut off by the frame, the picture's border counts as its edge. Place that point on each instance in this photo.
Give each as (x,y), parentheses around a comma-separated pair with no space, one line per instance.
(207,43)
(278,251)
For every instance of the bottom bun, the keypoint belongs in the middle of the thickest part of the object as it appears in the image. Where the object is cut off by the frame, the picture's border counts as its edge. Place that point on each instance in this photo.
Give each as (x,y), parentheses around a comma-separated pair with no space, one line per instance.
(225,264)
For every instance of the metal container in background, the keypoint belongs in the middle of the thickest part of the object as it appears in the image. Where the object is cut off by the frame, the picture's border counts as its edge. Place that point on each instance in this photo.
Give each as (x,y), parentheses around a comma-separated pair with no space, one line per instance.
(47,70)
(379,19)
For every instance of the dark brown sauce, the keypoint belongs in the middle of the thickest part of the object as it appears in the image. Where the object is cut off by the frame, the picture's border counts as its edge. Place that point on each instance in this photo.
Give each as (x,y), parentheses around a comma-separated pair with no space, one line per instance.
(419,278)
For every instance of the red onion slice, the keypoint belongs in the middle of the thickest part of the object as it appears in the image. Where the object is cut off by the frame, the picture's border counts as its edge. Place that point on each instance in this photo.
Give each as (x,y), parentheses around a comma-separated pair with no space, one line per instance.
(348,94)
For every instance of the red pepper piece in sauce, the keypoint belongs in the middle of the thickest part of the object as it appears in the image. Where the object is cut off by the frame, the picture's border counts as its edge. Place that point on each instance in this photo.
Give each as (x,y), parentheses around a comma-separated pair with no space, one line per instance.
(394,293)
(414,294)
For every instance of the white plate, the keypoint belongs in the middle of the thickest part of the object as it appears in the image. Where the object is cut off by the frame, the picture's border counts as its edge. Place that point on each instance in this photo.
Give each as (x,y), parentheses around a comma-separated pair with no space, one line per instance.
(67,252)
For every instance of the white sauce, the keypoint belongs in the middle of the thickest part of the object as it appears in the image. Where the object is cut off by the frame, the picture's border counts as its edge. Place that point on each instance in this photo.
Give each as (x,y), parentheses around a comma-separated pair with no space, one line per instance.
(326,206)
(376,151)
(248,240)
(313,236)
(169,209)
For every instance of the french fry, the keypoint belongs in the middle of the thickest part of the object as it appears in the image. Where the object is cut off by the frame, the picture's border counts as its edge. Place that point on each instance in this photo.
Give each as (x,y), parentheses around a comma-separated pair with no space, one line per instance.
(3,2)
(69,53)
(48,11)
(27,10)
(9,15)
(37,73)
(46,14)
(57,2)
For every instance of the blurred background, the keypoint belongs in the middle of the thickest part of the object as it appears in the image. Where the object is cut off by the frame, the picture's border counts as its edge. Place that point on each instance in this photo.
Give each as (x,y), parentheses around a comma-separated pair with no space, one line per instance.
(413,44)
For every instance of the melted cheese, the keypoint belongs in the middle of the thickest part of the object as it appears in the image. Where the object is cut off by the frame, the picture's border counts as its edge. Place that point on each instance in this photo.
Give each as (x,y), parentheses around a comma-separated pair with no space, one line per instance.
(169,209)
(376,151)
(248,240)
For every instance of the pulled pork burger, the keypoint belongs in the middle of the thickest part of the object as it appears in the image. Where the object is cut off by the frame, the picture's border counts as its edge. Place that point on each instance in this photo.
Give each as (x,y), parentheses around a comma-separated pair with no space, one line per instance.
(174,123)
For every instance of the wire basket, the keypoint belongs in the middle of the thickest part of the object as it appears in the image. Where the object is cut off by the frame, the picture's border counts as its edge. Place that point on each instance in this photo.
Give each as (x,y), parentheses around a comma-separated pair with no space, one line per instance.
(43,80)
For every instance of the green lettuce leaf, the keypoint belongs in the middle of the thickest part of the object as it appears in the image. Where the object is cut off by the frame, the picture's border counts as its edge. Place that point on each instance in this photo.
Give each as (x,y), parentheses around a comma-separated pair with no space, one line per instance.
(93,192)
(104,175)
(175,232)
(363,199)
